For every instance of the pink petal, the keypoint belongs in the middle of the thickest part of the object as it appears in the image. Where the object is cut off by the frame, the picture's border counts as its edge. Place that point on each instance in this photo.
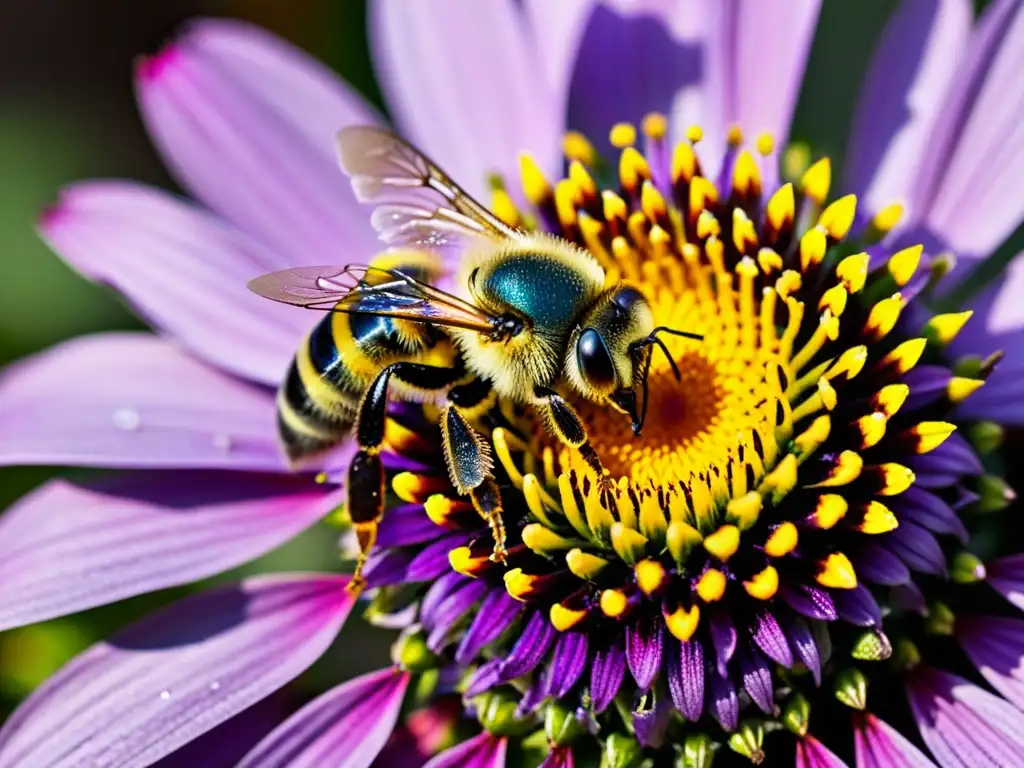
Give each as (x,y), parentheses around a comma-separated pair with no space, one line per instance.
(345,726)
(879,745)
(175,675)
(466,85)
(184,270)
(996,647)
(67,547)
(1006,575)
(482,751)
(961,723)
(247,122)
(969,182)
(811,753)
(132,400)
(902,96)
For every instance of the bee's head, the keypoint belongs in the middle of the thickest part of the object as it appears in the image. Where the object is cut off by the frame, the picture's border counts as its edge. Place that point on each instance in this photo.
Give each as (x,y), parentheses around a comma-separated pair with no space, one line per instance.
(610,352)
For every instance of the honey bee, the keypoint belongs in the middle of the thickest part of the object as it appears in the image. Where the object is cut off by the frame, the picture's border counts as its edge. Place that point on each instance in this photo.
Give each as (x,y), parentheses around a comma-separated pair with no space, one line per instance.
(536,315)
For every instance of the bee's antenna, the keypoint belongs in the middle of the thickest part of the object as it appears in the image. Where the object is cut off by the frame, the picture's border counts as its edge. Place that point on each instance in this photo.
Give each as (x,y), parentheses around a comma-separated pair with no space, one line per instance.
(650,341)
(674,332)
(643,408)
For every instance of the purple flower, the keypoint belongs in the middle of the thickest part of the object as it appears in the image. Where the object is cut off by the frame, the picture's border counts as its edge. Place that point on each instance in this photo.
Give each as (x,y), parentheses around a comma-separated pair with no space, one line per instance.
(789,531)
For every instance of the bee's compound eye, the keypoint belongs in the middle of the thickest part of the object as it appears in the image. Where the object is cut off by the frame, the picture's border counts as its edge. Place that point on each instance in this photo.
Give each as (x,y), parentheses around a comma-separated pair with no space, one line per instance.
(594,360)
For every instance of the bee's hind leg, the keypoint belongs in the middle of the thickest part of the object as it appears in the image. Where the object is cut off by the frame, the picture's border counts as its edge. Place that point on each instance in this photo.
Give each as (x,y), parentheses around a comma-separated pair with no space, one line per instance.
(469,459)
(366,490)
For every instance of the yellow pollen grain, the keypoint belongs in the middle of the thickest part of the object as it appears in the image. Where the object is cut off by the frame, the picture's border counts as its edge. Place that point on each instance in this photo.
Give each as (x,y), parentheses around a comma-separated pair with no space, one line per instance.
(903,264)
(944,328)
(765,143)
(878,518)
(683,622)
(830,509)
(816,180)
(613,603)
(931,434)
(535,186)
(694,134)
(650,576)
(836,572)
(960,388)
(734,136)
(654,125)
(853,271)
(724,542)
(563,618)
(782,540)
(622,135)
(711,586)
(576,146)
(763,585)
(887,218)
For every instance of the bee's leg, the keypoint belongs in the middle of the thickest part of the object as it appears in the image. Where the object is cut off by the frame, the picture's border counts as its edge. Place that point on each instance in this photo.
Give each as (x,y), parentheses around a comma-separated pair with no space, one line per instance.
(468,456)
(366,471)
(565,423)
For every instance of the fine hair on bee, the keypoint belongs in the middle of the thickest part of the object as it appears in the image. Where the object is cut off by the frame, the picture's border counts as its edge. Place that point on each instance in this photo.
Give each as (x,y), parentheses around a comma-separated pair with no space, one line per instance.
(529,316)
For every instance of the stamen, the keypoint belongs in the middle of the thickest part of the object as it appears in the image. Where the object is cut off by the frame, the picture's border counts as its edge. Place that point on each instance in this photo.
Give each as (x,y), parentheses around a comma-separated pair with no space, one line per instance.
(622,135)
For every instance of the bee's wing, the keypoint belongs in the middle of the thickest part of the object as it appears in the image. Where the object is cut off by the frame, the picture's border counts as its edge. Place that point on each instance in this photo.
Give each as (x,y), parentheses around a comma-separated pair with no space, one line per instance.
(363,290)
(417,203)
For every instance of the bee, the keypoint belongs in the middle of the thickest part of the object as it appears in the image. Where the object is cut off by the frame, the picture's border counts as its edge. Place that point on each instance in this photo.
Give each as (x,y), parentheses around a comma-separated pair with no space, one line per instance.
(536,315)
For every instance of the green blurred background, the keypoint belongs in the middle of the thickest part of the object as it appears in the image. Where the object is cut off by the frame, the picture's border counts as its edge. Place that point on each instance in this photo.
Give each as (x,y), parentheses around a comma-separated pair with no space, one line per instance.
(67,113)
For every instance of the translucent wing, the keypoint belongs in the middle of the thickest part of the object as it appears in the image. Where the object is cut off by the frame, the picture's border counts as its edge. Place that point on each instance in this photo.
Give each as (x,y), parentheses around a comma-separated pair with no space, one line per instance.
(358,289)
(417,204)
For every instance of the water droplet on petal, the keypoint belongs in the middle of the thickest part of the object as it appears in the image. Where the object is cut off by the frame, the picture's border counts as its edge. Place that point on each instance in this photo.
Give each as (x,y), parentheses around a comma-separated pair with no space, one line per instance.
(127,419)
(215,685)
(165,694)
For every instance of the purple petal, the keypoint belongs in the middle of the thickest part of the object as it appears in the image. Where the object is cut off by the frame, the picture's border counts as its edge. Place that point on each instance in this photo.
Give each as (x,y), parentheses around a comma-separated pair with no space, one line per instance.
(437,593)
(431,562)
(686,677)
(769,637)
(606,674)
(928,510)
(946,464)
(497,612)
(967,189)
(811,753)
(961,723)
(404,525)
(996,647)
(876,564)
(531,647)
(857,606)
(644,640)
(453,608)
(1006,576)
(247,123)
(723,638)
(651,725)
(349,724)
(465,84)
(122,412)
(918,548)
(557,29)
(812,602)
(723,702)
(482,751)
(879,745)
(901,97)
(485,677)
(806,649)
(175,675)
(908,598)
(183,270)
(67,547)
(757,679)
(657,66)
(567,663)
(558,757)
(927,384)
(386,567)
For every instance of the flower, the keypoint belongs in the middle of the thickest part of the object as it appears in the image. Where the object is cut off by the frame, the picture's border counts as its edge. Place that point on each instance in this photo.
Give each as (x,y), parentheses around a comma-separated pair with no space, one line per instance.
(789,533)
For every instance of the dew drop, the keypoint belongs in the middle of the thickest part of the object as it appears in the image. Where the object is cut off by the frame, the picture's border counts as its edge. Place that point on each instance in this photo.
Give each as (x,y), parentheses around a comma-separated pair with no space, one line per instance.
(215,685)
(127,419)
(165,694)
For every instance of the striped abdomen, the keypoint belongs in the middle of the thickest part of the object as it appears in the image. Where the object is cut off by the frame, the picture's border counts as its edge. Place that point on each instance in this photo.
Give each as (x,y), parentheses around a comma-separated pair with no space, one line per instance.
(317,403)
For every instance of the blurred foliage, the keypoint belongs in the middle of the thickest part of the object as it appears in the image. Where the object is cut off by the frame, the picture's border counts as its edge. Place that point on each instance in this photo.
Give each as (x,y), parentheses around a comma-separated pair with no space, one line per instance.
(66,113)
